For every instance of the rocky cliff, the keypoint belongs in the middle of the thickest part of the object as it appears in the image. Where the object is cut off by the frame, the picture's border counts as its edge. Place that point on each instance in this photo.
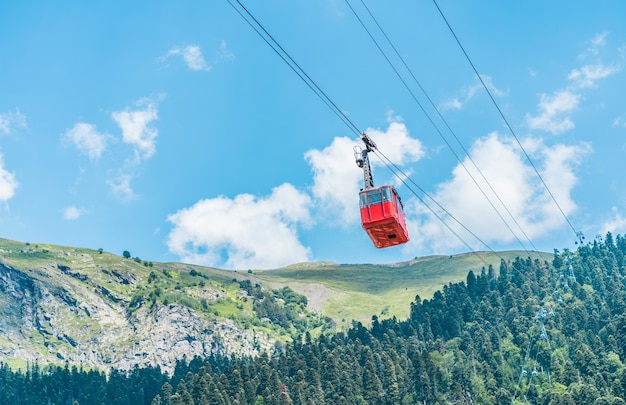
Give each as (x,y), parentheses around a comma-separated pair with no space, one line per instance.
(101,310)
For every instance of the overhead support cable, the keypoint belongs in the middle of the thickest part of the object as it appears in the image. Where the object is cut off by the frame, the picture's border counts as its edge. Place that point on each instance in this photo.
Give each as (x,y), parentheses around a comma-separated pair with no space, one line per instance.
(437,128)
(294,66)
(542,332)
(405,178)
(493,100)
(284,55)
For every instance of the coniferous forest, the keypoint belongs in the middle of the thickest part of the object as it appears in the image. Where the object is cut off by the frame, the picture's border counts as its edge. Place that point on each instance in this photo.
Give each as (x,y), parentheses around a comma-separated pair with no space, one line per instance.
(528,332)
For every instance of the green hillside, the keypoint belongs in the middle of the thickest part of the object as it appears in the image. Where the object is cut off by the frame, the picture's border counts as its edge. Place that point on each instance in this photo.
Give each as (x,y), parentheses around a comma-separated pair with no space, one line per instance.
(90,307)
(359,291)
(343,292)
(531,331)
(106,311)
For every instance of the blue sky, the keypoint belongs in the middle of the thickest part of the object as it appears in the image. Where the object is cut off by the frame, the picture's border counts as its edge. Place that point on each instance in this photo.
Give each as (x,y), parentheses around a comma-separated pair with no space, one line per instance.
(173,131)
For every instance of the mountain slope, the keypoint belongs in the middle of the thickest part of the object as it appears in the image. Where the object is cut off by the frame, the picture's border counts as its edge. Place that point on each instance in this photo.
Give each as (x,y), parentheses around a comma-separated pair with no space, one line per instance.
(358,291)
(104,311)
(540,332)
(101,310)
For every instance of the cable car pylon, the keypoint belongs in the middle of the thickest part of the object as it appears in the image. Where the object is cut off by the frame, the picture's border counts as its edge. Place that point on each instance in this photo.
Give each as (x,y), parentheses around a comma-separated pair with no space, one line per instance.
(382,213)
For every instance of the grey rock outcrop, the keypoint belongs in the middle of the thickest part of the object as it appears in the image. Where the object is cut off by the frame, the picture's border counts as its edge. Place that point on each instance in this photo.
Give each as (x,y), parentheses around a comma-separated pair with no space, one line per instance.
(53,314)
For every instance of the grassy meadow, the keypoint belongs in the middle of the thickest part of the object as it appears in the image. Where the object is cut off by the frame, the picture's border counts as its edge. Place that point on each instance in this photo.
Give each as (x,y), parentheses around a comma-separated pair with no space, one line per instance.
(359,291)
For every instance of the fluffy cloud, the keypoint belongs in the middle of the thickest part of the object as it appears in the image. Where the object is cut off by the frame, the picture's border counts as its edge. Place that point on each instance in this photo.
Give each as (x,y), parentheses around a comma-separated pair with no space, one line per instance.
(192,55)
(597,42)
(615,225)
(470,92)
(504,165)
(223,52)
(554,112)
(587,76)
(336,177)
(249,231)
(121,188)
(396,144)
(136,129)
(261,232)
(71,213)
(194,59)
(10,120)
(87,139)
(619,122)
(599,39)
(8,184)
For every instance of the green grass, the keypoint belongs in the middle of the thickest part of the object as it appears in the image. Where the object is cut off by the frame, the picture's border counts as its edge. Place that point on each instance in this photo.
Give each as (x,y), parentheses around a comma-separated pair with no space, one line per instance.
(361,291)
(226,308)
(16,364)
(343,292)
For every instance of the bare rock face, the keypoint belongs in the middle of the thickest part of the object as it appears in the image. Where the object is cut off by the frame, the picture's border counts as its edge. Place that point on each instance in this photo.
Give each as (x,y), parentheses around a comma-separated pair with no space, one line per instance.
(83,322)
(174,332)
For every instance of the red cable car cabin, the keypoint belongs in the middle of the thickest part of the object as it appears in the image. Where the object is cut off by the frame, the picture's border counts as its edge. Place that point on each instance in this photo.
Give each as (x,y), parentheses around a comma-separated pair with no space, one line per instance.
(382,216)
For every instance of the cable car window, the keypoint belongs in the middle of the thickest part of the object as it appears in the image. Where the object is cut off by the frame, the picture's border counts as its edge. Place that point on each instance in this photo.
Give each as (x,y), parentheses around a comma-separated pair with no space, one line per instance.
(387,194)
(374,197)
(400,206)
(363,199)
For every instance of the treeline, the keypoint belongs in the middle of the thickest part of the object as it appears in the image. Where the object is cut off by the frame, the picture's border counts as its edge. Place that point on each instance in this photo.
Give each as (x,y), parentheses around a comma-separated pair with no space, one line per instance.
(73,386)
(529,332)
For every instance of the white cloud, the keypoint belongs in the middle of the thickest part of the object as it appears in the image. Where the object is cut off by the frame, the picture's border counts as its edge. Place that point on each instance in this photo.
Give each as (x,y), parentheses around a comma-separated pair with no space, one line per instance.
(599,39)
(194,59)
(87,139)
(396,144)
(559,173)
(619,122)
(587,75)
(454,104)
(336,177)
(261,232)
(121,188)
(192,55)
(515,182)
(136,129)
(470,92)
(10,120)
(8,184)
(223,52)
(72,213)
(554,112)
(251,232)
(615,225)
(597,42)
